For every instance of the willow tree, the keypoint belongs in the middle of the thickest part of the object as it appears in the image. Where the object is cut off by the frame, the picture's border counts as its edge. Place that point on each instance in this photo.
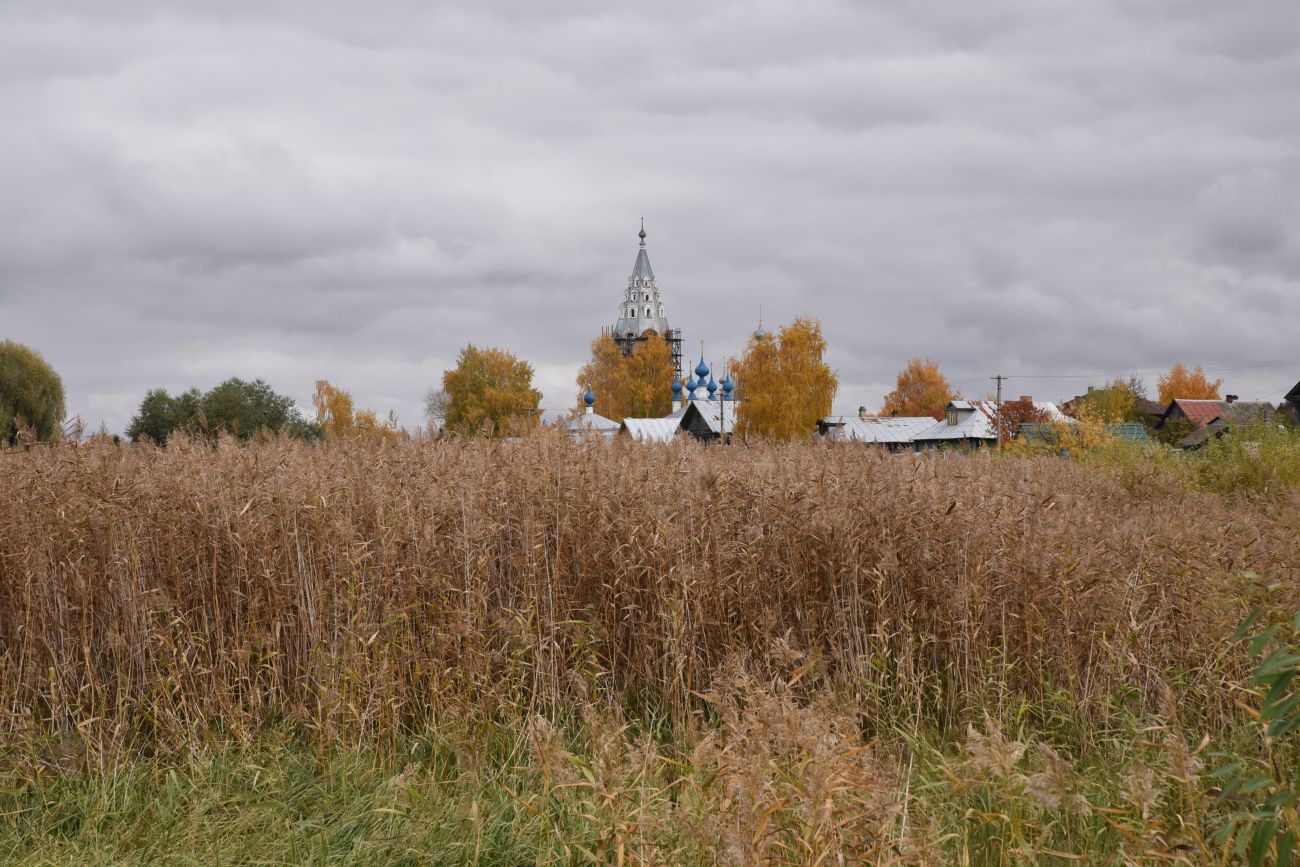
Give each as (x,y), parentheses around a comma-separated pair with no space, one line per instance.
(338,419)
(490,392)
(784,383)
(31,393)
(629,386)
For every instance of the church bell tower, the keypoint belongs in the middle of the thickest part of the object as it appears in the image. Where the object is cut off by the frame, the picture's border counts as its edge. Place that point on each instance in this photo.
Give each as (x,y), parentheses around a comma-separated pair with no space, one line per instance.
(642,310)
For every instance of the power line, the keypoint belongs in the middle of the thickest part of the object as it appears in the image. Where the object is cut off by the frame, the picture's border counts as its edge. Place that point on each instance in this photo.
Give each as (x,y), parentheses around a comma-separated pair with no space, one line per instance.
(1237,369)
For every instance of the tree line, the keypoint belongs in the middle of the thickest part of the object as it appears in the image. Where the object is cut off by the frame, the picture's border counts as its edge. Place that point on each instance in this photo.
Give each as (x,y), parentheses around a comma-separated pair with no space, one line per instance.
(783,387)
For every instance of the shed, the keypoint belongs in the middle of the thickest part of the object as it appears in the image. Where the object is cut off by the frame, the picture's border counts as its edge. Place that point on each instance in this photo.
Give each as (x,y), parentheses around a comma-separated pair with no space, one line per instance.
(710,420)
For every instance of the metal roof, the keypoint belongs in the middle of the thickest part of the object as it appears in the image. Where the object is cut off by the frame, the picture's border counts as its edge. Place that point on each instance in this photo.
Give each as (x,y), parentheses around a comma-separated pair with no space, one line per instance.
(1134,431)
(641,270)
(974,423)
(592,421)
(1249,410)
(883,430)
(652,430)
(590,424)
(1200,411)
(714,415)
(1052,411)
(641,299)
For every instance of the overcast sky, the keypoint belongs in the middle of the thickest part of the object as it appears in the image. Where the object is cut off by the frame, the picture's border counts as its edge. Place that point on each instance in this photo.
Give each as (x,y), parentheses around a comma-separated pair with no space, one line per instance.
(305,190)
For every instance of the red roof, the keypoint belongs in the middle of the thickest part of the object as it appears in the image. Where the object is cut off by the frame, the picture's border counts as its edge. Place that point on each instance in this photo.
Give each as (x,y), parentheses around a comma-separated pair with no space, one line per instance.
(1201,411)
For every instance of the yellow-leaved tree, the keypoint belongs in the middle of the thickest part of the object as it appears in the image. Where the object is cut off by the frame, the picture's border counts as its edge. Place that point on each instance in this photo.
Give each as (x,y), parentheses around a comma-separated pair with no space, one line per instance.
(921,389)
(1187,384)
(784,385)
(1117,401)
(629,386)
(337,418)
(490,392)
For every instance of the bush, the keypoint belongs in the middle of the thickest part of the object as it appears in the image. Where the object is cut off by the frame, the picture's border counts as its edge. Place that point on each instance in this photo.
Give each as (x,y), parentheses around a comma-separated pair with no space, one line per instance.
(31,393)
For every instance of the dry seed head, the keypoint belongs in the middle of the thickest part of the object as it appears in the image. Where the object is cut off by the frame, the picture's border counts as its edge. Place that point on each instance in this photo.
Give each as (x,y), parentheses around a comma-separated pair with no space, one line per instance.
(1142,790)
(1053,787)
(992,753)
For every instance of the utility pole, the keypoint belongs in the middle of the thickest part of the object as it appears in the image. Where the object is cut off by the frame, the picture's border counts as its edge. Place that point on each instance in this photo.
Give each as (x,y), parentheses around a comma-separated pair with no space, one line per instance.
(999,379)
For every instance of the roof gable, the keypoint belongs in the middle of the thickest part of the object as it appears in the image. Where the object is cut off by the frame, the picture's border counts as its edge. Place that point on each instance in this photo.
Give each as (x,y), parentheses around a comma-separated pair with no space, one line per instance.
(884,429)
(1200,411)
(714,414)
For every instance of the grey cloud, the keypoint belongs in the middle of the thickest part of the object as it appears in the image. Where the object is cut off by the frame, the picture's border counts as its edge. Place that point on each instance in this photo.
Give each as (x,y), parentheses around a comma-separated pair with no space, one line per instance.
(298,190)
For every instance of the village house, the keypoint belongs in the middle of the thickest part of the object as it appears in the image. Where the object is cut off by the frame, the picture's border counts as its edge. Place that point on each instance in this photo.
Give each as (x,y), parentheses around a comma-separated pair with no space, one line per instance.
(1290,408)
(973,423)
(1213,418)
(894,433)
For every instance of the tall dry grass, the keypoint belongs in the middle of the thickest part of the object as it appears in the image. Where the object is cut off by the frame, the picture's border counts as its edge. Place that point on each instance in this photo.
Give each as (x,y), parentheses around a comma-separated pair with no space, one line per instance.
(150,598)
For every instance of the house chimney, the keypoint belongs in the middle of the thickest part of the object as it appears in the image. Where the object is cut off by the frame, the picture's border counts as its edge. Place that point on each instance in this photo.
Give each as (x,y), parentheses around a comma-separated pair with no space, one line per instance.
(1024,398)
(1090,389)
(862,412)
(1232,398)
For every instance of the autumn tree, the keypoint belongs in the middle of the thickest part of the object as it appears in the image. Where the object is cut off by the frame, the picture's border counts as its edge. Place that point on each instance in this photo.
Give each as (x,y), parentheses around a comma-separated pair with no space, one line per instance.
(1192,384)
(31,393)
(1117,401)
(784,385)
(629,386)
(336,417)
(921,389)
(1014,413)
(490,391)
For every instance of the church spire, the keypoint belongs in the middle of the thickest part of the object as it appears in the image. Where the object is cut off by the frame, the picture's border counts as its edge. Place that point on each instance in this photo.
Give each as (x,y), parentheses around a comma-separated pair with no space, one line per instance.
(642,310)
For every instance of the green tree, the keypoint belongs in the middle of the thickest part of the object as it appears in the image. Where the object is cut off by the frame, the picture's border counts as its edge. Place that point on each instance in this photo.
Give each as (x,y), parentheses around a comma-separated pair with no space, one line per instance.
(31,393)
(244,408)
(235,406)
(489,391)
(785,385)
(162,415)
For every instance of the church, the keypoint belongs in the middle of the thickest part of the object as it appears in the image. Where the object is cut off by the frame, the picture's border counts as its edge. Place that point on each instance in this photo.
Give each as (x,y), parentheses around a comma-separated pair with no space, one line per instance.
(702,406)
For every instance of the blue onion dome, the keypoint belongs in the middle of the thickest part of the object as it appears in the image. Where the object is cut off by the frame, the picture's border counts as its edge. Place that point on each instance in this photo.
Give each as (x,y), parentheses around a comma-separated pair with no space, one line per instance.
(760,333)
(727,385)
(589,399)
(677,386)
(701,369)
(712,387)
(691,385)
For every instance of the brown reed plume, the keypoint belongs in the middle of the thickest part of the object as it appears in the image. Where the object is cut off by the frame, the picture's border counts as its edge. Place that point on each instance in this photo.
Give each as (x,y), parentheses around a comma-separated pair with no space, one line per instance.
(149,597)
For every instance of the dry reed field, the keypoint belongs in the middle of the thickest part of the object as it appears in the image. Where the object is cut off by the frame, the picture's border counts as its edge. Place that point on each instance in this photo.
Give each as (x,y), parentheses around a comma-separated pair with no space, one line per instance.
(536,652)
